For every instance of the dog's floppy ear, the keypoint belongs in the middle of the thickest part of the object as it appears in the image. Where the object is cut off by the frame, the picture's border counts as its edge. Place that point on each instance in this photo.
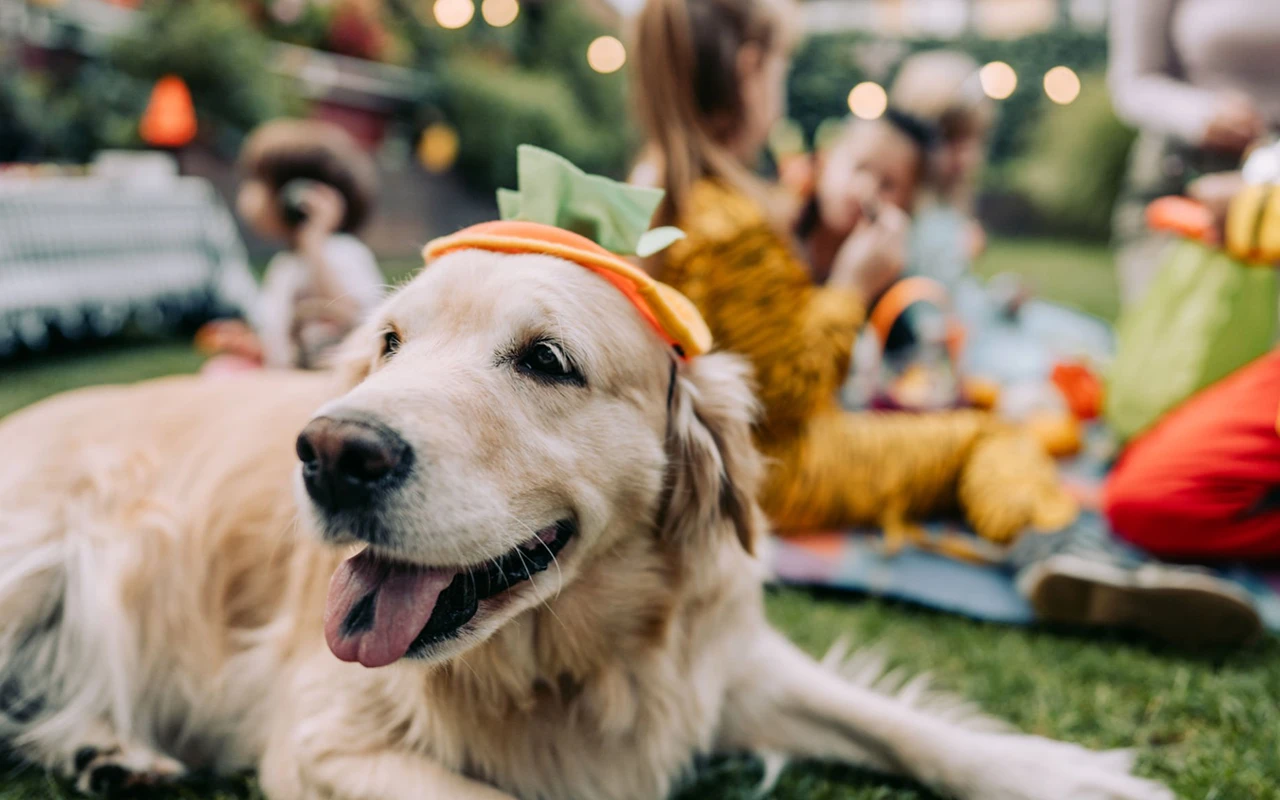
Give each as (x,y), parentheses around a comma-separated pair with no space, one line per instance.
(713,467)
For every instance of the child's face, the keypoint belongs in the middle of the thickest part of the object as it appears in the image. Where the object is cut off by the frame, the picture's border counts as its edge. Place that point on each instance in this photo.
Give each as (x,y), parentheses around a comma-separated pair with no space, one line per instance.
(874,163)
(961,158)
(256,205)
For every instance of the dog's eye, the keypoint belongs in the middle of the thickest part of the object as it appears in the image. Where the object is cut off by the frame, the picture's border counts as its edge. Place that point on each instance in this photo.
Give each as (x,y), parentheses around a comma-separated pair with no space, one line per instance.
(547,360)
(390,343)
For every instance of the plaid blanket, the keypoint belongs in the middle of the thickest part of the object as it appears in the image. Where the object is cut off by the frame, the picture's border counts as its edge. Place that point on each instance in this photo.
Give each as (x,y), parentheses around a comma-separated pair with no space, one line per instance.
(84,257)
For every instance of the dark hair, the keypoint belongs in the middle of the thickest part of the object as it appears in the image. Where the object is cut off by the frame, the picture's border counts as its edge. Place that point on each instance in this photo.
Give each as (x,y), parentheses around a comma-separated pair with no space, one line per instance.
(922,133)
(290,149)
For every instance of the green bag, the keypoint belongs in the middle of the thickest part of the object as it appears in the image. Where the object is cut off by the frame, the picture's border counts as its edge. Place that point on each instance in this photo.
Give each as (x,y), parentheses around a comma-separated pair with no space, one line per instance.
(1205,316)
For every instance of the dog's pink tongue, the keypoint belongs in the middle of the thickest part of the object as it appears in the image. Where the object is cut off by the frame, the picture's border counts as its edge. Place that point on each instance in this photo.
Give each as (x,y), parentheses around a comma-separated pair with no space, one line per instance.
(377,607)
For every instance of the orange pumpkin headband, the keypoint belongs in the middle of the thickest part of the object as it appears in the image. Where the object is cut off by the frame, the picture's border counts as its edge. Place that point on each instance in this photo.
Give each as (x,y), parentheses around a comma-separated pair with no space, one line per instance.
(612,219)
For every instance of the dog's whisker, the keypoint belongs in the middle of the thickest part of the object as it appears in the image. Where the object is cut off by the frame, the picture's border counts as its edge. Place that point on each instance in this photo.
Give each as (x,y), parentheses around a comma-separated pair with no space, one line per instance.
(546,601)
(559,572)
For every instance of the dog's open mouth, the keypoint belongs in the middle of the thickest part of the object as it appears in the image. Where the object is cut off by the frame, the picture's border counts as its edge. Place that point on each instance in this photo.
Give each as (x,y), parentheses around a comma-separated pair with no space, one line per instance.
(379,610)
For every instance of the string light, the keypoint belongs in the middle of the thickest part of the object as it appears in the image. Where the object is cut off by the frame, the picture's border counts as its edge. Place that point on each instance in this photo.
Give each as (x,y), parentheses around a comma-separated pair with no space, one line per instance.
(868,100)
(606,54)
(998,80)
(1062,85)
(500,13)
(453,14)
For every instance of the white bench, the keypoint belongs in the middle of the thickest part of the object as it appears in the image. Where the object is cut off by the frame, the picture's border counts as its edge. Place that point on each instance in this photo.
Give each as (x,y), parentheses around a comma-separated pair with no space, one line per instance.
(85,257)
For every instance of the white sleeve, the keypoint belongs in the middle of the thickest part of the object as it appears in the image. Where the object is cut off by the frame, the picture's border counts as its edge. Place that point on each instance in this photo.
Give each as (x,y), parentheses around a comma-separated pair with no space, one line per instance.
(1141,74)
(274,314)
(356,271)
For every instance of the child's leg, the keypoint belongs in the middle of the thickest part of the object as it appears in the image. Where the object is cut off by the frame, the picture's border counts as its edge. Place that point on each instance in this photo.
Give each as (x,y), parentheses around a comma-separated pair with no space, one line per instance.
(1009,485)
(846,469)
(858,469)
(1205,482)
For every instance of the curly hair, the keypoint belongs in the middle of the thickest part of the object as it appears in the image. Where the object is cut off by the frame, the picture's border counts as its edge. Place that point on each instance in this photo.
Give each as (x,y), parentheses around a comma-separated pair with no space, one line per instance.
(289,149)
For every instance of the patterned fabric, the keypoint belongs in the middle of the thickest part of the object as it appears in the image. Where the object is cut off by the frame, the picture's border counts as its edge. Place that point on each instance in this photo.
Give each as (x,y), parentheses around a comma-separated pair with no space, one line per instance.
(84,257)
(832,468)
(855,560)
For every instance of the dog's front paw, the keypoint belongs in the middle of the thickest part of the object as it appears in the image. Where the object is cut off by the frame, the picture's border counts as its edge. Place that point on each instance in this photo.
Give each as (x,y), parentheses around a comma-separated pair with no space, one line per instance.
(1014,767)
(108,771)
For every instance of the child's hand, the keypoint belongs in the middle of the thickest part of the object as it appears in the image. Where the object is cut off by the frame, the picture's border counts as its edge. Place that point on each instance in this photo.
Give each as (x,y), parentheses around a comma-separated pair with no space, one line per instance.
(975,240)
(1235,124)
(1216,191)
(872,258)
(229,336)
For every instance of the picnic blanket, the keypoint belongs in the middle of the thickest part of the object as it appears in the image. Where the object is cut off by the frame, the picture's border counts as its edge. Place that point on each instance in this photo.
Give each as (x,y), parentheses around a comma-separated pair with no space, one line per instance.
(852,560)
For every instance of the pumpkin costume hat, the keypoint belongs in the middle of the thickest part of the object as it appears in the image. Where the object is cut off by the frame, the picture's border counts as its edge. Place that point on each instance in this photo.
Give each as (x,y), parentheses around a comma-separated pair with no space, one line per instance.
(593,222)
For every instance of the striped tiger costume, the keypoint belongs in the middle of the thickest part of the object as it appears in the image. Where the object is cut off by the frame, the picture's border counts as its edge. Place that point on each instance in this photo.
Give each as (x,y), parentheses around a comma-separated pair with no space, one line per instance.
(832,468)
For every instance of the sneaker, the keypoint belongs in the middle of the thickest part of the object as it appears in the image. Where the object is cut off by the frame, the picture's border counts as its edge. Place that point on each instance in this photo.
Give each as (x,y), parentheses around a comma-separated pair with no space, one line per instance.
(1083,577)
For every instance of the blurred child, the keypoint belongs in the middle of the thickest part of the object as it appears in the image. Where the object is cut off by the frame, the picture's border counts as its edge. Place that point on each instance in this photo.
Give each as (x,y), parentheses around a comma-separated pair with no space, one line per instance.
(710,86)
(940,88)
(1204,482)
(309,185)
(873,166)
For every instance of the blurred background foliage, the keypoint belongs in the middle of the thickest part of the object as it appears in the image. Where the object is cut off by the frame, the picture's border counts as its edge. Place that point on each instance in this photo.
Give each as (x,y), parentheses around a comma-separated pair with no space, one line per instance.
(1054,169)
(72,112)
(216,49)
(529,83)
(827,67)
(1073,164)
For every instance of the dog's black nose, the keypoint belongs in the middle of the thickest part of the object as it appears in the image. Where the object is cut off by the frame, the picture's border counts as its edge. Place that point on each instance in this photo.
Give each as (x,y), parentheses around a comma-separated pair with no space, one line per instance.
(346,463)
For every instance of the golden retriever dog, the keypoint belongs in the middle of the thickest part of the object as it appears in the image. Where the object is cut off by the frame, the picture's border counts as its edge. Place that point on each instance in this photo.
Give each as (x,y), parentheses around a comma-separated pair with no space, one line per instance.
(506,550)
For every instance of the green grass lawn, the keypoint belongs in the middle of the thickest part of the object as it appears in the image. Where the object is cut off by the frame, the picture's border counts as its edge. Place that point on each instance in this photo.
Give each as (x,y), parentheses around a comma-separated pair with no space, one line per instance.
(1208,724)
(1076,274)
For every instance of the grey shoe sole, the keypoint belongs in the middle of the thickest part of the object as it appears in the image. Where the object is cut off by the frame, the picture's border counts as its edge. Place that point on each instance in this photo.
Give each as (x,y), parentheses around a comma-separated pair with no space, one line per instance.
(1180,606)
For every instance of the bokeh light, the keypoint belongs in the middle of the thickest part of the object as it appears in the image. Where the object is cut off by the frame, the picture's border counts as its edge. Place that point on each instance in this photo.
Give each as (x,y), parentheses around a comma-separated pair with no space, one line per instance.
(868,100)
(1062,85)
(500,13)
(606,54)
(438,147)
(453,14)
(998,80)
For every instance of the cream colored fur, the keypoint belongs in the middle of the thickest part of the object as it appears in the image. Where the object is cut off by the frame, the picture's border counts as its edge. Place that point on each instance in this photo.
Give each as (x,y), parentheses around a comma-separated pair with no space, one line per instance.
(163,577)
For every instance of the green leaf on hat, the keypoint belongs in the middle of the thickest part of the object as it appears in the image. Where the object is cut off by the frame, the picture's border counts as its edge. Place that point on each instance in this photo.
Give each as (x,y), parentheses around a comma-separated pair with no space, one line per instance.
(614,215)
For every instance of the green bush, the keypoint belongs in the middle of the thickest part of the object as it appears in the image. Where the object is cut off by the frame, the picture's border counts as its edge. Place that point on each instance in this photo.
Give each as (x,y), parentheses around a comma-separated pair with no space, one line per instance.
(1075,162)
(215,48)
(1067,161)
(827,67)
(70,117)
(498,107)
(530,84)
(559,45)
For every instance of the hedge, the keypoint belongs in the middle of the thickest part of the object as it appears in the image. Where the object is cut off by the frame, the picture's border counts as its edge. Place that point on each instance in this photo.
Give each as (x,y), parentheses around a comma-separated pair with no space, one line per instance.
(497,107)
(827,67)
(1066,161)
